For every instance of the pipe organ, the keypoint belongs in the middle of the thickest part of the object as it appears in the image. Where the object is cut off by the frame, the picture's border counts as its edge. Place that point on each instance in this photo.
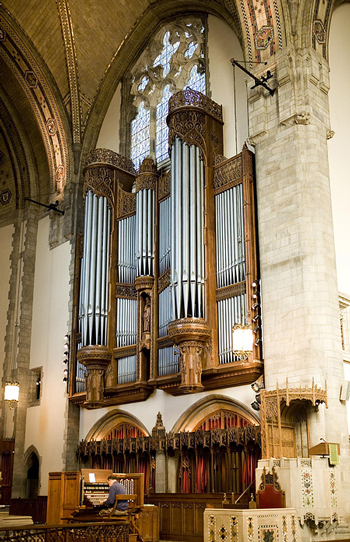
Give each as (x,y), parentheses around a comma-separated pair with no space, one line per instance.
(167,266)
(187,230)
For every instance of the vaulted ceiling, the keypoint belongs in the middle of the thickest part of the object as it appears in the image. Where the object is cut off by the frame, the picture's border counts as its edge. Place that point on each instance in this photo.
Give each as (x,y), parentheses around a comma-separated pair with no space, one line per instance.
(61,61)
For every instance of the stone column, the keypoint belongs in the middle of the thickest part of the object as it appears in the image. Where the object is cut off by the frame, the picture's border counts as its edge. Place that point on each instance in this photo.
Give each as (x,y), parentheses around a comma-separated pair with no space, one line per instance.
(300,307)
(23,267)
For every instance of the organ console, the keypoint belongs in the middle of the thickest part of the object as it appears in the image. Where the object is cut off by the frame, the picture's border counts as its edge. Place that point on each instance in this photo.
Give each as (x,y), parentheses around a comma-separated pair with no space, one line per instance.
(77,495)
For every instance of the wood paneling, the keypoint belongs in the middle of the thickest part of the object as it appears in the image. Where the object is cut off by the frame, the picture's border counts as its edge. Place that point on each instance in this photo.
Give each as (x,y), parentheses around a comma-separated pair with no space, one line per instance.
(181,515)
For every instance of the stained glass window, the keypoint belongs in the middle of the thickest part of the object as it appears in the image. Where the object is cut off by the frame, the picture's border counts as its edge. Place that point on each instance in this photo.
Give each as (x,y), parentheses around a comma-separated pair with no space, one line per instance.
(165,56)
(196,80)
(179,64)
(140,135)
(161,126)
(191,49)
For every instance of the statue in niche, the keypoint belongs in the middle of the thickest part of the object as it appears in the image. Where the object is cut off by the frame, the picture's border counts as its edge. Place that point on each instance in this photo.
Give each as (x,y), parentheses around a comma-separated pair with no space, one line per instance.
(147,315)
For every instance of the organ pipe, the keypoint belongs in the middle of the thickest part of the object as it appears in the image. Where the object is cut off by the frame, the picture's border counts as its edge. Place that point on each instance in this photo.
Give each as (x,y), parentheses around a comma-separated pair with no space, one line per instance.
(145,201)
(93,306)
(230,311)
(126,326)
(187,211)
(230,251)
(168,361)
(126,369)
(164,235)
(126,250)
(165,311)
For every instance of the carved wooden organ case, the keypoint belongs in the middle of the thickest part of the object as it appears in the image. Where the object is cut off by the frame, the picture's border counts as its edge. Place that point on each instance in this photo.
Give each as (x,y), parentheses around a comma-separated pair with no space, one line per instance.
(166,266)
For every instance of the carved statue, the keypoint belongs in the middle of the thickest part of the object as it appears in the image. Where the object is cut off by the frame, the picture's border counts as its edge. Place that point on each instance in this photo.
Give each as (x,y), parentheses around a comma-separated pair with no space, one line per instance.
(147,316)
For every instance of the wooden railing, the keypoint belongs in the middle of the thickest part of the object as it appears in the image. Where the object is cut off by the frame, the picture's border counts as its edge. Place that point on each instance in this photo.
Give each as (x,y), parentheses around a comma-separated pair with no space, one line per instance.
(78,532)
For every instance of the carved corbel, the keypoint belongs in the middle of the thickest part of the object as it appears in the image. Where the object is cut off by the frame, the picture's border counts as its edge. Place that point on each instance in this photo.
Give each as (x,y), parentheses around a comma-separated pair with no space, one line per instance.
(95,358)
(191,336)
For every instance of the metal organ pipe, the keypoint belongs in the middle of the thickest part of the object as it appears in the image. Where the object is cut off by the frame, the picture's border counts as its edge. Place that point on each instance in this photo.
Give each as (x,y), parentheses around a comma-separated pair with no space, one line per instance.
(126,250)
(94,271)
(126,369)
(230,312)
(230,252)
(187,211)
(168,361)
(165,220)
(165,311)
(126,322)
(145,201)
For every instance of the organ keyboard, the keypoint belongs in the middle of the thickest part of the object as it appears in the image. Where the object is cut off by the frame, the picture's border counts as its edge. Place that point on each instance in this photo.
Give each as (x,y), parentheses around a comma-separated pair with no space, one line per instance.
(77,494)
(94,486)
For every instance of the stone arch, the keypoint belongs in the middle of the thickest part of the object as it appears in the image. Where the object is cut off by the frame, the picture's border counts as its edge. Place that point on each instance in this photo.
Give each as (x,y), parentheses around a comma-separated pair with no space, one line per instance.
(159,13)
(203,408)
(314,23)
(43,99)
(20,154)
(105,424)
(32,461)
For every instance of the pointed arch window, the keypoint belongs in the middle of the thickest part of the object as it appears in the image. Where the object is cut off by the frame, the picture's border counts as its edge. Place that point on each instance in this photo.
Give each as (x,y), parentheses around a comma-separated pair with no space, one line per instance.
(140,135)
(174,60)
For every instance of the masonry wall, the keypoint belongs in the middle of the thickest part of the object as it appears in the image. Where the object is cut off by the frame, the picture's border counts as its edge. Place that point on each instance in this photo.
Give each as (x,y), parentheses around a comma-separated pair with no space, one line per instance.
(46,421)
(6,234)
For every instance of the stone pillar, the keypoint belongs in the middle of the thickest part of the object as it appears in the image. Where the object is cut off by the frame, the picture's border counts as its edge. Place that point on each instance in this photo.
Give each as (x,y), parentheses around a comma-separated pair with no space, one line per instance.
(300,307)
(23,267)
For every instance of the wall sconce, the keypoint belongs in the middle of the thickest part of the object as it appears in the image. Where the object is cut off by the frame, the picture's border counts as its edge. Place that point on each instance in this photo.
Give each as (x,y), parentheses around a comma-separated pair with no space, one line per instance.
(242,340)
(11,393)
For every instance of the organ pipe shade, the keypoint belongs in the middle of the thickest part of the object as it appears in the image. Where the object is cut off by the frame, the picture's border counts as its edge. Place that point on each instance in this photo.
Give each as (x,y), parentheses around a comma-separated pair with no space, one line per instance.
(187,216)
(144,241)
(93,303)
(230,251)
(126,250)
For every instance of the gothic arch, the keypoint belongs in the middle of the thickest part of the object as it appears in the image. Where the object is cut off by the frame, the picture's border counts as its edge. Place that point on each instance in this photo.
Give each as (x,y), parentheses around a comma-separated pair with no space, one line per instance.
(20,154)
(31,75)
(203,408)
(33,482)
(248,26)
(314,24)
(110,420)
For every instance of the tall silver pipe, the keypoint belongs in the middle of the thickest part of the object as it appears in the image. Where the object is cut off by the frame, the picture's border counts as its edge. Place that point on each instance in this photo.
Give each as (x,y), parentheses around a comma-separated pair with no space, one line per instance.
(108,235)
(87,251)
(103,269)
(185,225)
(180,239)
(91,302)
(98,269)
(193,240)
(94,271)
